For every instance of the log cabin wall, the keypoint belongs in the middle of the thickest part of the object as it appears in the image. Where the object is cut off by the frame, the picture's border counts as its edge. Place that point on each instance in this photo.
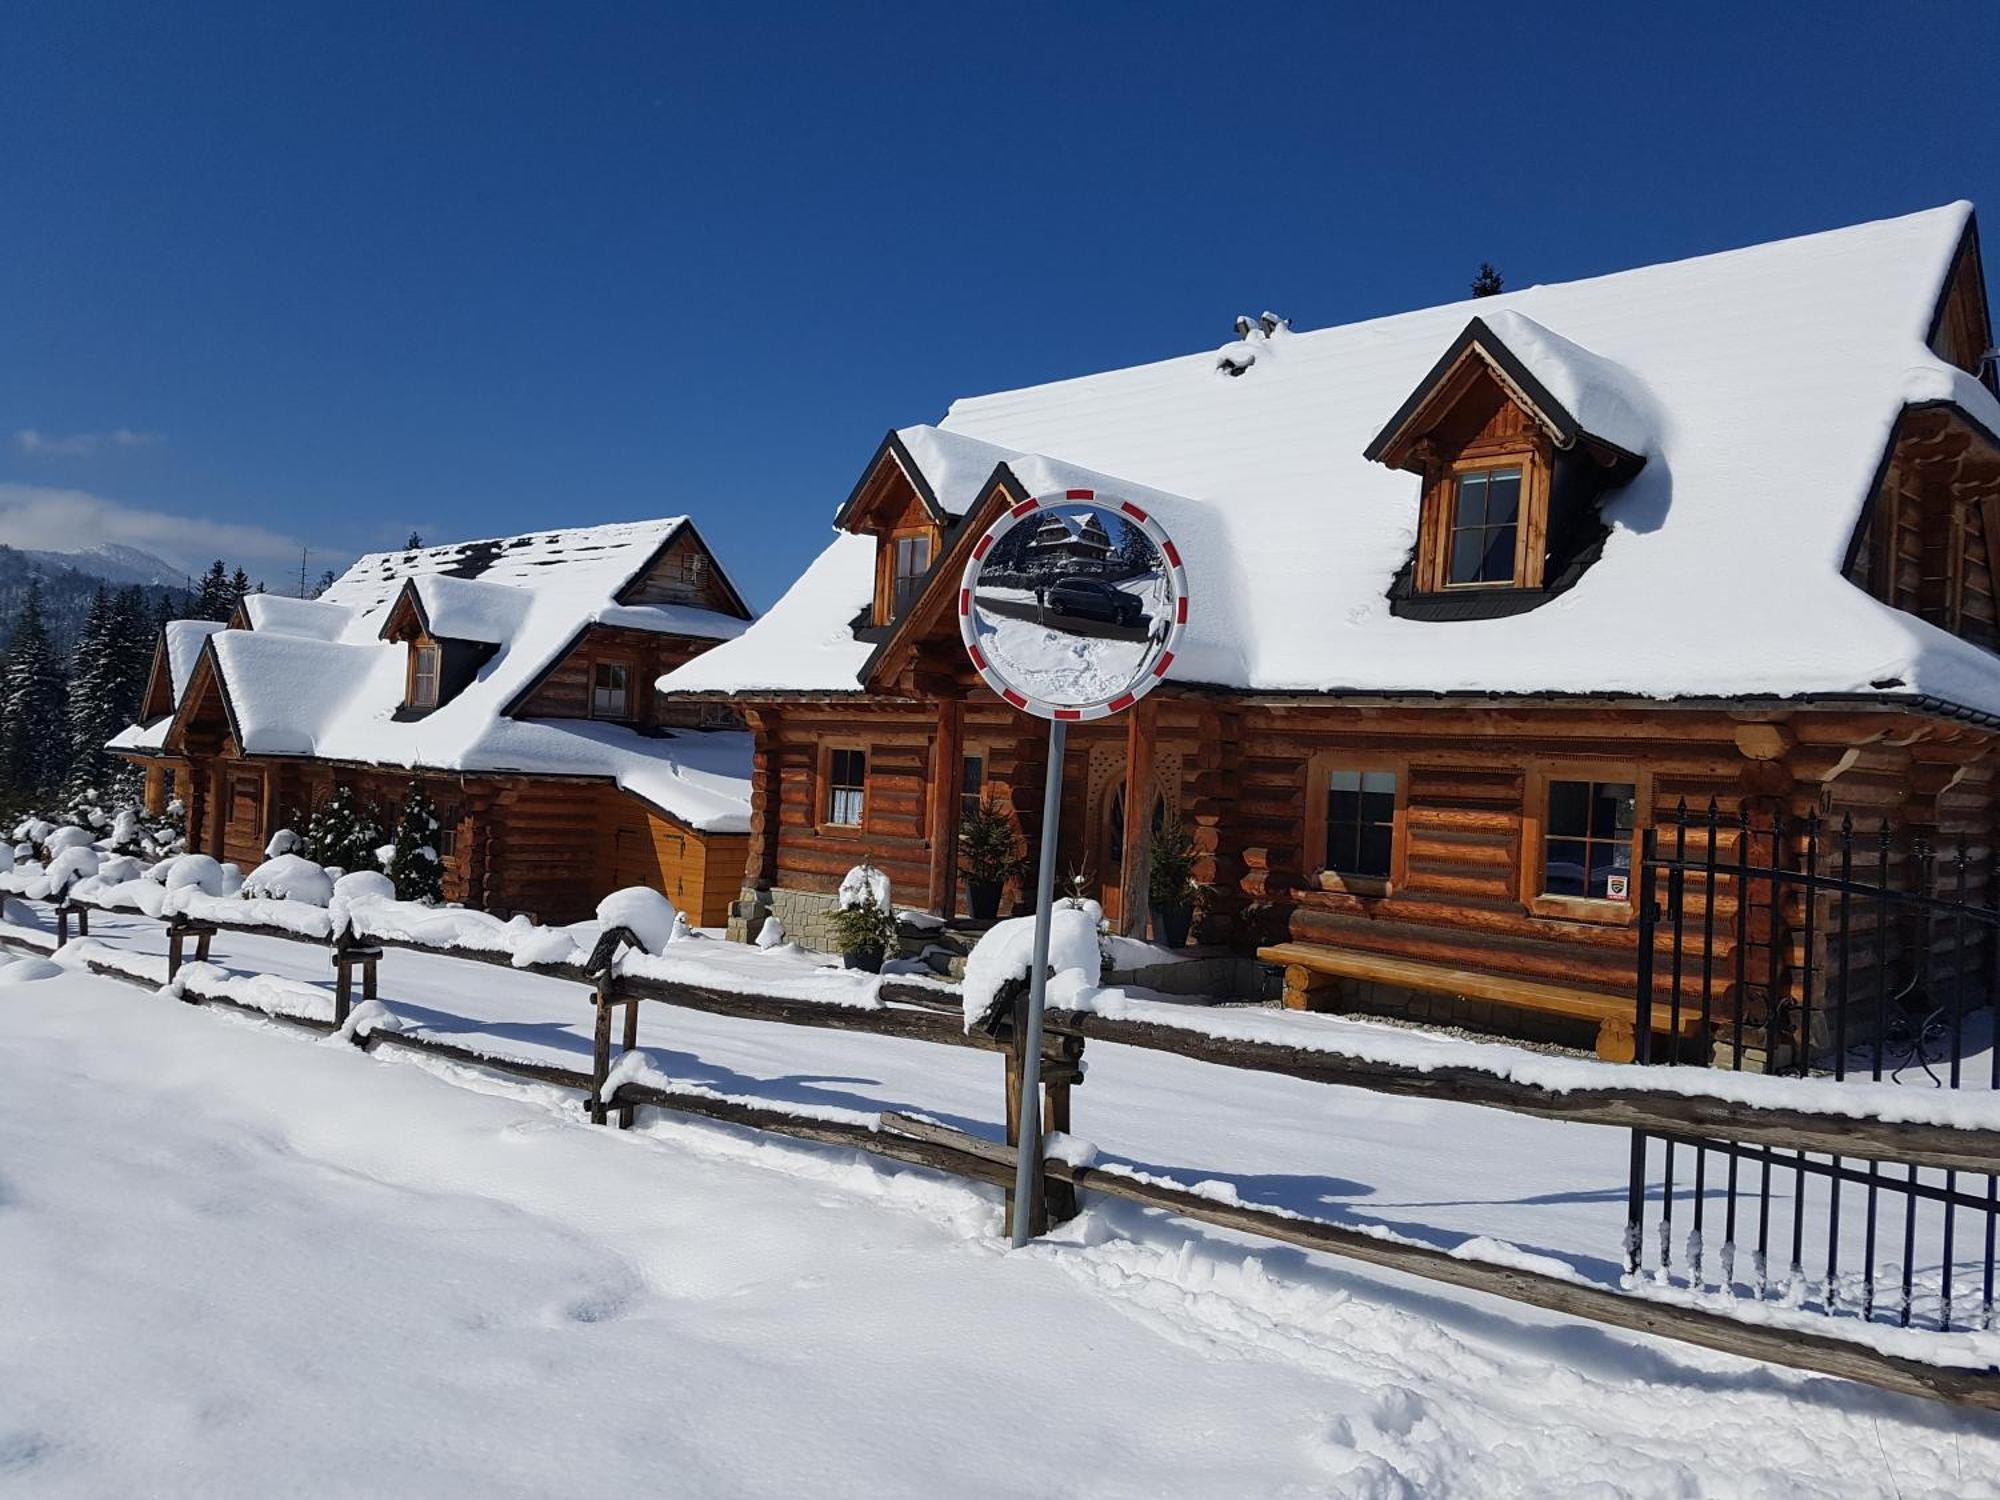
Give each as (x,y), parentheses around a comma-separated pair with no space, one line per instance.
(1465,889)
(1469,841)
(1929,542)
(914,760)
(547,846)
(684,573)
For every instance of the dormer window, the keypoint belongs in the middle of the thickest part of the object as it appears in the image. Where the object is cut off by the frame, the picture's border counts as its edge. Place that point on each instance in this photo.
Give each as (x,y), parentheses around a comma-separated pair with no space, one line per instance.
(911,562)
(902,558)
(1516,433)
(611,690)
(426,664)
(1485,526)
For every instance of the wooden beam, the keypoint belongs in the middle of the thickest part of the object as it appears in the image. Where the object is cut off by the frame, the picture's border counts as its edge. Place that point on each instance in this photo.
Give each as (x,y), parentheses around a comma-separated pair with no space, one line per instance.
(1656,1112)
(1142,723)
(947,777)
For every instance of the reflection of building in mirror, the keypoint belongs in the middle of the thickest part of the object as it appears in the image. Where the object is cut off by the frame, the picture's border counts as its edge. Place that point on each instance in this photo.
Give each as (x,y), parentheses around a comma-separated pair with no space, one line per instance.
(1074,608)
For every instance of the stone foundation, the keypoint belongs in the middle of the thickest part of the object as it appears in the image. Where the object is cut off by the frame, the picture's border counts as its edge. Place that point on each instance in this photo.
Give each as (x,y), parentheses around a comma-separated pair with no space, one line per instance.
(807,916)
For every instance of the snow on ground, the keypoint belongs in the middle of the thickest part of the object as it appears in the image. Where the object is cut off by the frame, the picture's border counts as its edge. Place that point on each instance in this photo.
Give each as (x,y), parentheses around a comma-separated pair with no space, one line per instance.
(256,1264)
(1055,665)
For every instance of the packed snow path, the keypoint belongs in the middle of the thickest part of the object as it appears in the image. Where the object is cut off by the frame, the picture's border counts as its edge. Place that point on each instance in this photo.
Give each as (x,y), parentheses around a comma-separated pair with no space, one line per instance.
(242,1262)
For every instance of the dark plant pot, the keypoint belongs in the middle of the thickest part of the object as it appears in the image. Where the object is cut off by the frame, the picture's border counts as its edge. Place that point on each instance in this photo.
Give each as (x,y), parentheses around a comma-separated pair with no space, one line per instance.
(869,959)
(984,898)
(1170,925)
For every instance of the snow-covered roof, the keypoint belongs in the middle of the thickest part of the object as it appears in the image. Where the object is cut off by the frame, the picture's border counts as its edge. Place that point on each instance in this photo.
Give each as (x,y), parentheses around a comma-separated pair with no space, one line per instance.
(1761,385)
(316,619)
(955,466)
(297,685)
(184,640)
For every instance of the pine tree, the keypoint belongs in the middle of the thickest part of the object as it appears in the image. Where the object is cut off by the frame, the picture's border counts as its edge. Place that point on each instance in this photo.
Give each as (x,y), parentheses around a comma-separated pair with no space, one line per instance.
(344,832)
(415,867)
(1488,282)
(137,634)
(34,732)
(239,587)
(1132,555)
(211,598)
(94,690)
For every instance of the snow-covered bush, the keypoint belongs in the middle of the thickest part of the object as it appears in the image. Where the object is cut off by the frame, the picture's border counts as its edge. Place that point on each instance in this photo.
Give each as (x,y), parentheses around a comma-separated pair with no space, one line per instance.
(71,864)
(284,841)
(126,830)
(772,933)
(69,837)
(643,911)
(364,885)
(197,872)
(344,832)
(413,861)
(116,869)
(289,878)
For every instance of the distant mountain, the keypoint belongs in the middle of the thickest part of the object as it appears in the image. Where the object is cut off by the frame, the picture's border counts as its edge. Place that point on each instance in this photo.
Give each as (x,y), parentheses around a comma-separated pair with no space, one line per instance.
(67,590)
(116,563)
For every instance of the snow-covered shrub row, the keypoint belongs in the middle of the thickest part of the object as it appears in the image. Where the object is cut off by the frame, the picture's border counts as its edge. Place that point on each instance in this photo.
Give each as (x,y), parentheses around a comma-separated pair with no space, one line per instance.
(124,827)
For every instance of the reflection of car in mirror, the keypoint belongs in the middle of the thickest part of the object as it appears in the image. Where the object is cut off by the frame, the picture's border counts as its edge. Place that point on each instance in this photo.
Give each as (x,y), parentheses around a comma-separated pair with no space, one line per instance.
(1092,599)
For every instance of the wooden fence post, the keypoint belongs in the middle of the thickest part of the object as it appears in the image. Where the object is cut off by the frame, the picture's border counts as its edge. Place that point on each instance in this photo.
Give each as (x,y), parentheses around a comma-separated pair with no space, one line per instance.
(600,1050)
(1062,1070)
(627,1113)
(345,957)
(602,966)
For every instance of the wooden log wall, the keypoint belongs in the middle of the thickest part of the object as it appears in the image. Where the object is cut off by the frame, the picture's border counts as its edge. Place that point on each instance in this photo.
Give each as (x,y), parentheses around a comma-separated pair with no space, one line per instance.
(792,847)
(1461,901)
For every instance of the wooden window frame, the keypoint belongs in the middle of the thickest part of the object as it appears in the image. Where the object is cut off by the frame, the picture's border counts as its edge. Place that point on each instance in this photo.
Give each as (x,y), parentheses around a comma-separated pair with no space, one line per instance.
(885,566)
(1531,528)
(985,759)
(823,786)
(1603,911)
(418,646)
(631,714)
(1318,768)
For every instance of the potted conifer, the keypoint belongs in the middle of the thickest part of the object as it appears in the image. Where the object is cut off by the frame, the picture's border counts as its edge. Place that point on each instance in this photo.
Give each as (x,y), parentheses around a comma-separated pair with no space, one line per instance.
(989,853)
(1170,886)
(865,933)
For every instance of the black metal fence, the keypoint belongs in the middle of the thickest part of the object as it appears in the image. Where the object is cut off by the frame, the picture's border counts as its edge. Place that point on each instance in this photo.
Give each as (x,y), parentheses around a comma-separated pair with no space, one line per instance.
(1828,953)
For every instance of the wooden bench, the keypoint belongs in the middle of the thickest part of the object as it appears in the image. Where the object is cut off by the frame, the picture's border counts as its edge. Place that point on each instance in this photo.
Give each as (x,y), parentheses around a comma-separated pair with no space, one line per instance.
(1312,972)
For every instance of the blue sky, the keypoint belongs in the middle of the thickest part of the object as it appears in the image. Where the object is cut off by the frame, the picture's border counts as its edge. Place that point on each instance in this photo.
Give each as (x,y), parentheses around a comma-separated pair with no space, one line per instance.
(322,274)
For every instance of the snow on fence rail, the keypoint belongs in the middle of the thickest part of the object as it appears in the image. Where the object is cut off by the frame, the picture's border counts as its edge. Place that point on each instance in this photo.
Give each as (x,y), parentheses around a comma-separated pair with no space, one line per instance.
(1962,1367)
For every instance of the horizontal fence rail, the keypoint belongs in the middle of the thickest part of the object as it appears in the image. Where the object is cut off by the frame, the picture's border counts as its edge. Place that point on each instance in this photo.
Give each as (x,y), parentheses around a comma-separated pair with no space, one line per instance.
(921,1014)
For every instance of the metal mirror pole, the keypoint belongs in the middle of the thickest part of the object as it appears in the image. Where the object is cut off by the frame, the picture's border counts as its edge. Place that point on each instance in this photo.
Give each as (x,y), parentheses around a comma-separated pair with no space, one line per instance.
(1030,1131)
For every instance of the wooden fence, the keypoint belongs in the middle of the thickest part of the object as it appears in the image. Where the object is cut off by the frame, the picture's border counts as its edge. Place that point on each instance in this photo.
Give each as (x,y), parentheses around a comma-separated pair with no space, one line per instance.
(922,1014)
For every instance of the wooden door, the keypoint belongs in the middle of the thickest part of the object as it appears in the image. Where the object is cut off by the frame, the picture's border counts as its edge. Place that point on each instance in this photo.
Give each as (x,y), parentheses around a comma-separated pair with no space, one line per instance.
(243,818)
